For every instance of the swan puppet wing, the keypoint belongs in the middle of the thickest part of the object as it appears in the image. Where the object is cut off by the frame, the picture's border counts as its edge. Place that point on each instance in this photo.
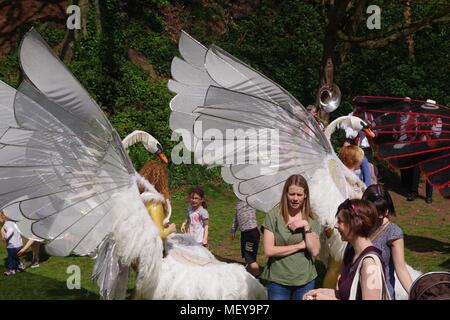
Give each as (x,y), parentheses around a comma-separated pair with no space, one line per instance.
(66,177)
(230,115)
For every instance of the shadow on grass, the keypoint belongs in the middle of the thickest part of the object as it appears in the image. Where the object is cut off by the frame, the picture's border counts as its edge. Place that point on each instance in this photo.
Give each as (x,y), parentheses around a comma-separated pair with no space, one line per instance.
(445,265)
(422,244)
(29,286)
(227,260)
(391,180)
(27,257)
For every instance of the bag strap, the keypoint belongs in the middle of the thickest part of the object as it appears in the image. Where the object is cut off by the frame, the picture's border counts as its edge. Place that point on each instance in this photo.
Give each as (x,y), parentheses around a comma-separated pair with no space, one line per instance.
(376,235)
(354,288)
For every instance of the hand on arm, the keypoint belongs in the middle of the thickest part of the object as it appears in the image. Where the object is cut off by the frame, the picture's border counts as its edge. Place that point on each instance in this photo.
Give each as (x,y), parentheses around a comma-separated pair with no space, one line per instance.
(311,238)
(272,250)
(298,223)
(171,228)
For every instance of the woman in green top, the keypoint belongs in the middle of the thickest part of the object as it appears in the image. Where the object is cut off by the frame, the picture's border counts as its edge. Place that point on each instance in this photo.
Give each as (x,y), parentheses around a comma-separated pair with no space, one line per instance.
(290,242)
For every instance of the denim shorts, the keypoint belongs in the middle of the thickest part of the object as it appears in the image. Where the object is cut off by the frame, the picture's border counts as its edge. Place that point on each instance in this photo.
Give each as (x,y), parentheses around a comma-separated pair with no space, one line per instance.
(249,245)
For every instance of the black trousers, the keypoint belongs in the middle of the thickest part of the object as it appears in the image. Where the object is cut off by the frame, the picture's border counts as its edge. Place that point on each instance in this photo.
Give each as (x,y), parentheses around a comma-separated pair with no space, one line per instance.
(410,181)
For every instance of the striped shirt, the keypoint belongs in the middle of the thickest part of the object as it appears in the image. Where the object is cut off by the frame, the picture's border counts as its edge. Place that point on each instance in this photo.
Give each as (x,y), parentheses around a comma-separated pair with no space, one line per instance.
(244,218)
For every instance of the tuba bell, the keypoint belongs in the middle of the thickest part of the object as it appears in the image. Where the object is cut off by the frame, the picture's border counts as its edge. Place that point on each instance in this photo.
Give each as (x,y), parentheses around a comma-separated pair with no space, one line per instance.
(329,97)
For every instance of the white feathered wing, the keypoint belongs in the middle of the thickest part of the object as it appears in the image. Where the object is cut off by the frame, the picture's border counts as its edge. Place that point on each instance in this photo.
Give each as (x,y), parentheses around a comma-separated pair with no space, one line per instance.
(217,95)
(65,176)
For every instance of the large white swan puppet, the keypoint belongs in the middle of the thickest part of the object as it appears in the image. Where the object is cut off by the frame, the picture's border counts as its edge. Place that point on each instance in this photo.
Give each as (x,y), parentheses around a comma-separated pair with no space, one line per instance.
(189,270)
(65,175)
(67,179)
(225,111)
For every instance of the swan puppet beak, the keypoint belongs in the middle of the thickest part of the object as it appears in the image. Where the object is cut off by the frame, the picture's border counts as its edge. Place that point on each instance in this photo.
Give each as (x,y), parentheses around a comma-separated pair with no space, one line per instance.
(162,157)
(160,154)
(369,133)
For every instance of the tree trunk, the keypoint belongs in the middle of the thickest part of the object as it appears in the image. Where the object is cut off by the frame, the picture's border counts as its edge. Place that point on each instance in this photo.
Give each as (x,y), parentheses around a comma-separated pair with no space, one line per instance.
(334,14)
(84,8)
(98,17)
(407,13)
(65,47)
(356,20)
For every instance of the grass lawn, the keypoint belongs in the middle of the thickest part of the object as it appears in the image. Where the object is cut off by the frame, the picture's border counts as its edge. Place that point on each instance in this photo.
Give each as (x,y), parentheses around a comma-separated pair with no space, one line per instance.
(426,228)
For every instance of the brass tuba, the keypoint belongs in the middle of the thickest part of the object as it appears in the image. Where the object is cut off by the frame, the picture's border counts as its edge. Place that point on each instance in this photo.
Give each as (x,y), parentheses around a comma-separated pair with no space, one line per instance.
(329,97)
(329,94)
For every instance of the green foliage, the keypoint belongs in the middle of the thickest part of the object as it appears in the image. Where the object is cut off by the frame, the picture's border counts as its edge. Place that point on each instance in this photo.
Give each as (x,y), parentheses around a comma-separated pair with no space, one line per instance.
(9,65)
(281,39)
(157,47)
(389,71)
(51,33)
(9,69)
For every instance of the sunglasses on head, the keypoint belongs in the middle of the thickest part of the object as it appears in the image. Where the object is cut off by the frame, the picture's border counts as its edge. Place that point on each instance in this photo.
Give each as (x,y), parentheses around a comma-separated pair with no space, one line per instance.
(349,205)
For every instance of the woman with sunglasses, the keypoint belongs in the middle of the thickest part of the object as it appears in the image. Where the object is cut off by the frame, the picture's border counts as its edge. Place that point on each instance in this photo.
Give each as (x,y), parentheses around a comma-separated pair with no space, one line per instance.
(362,277)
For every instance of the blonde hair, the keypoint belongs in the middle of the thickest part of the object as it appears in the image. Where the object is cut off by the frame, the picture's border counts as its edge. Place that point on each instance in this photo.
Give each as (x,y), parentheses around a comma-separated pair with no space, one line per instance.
(352,156)
(156,174)
(299,181)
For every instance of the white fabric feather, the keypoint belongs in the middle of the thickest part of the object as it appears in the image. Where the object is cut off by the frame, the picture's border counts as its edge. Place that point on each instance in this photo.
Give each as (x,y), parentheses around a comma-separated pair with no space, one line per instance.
(216,91)
(151,194)
(190,271)
(138,240)
(67,178)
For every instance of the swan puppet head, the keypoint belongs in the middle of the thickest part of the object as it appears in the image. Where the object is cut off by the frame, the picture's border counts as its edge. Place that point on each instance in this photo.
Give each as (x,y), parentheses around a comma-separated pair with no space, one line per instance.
(355,123)
(358,124)
(151,144)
